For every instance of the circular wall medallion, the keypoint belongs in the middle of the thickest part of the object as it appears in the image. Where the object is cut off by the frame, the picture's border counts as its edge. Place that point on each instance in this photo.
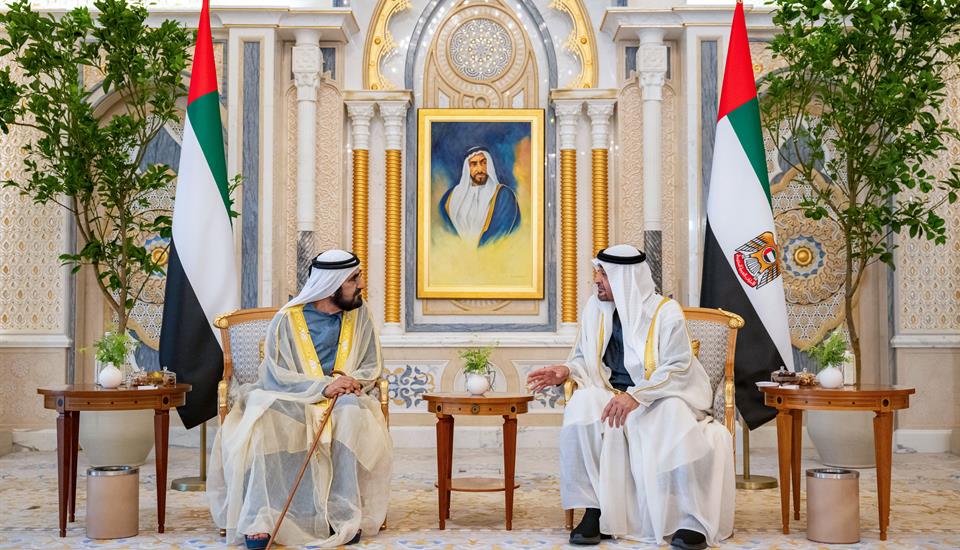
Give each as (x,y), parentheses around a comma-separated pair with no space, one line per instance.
(812,257)
(481,49)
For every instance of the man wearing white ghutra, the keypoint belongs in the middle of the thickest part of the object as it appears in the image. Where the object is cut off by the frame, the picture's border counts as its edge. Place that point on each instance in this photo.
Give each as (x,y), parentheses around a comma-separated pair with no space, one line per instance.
(638,450)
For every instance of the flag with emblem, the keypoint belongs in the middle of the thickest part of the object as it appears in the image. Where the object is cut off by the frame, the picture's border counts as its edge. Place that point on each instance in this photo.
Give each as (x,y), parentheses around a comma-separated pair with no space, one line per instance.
(202,276)
(741,264)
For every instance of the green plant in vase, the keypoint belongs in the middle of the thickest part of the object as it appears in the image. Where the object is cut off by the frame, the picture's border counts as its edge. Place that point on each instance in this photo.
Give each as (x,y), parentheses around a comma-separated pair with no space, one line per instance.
(476,369)
(830,354)
(112,351)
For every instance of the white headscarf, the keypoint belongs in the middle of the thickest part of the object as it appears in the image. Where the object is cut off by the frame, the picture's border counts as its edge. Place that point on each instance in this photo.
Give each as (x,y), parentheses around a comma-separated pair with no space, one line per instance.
(323,283)
(632,286)
(469,203)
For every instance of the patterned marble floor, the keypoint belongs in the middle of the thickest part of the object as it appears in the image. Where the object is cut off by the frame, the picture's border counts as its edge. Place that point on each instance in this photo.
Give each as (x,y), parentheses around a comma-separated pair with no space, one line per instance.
(925,509)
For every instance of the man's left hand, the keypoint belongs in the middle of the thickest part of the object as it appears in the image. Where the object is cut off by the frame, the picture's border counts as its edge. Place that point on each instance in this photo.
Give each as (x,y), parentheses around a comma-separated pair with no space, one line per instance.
(617,409)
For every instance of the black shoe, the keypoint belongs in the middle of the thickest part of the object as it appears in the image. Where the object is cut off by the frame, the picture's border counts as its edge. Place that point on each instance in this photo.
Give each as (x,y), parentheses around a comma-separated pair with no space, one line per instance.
(256,543)
(356,538)
(588,531)
(688,540)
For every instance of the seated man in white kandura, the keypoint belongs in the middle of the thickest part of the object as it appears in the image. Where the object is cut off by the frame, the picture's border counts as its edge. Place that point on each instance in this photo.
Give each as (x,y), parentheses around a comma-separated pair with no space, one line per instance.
(637,449)
(321,344)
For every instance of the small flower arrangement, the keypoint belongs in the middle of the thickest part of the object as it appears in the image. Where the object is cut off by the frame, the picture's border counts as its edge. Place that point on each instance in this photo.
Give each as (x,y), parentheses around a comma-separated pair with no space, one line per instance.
(114,348)
(475,360)
(831,352)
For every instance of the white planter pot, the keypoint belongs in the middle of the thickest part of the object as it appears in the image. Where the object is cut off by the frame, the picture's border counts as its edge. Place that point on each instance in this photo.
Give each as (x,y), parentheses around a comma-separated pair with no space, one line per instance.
(477,384)
(843,438)
(116,438)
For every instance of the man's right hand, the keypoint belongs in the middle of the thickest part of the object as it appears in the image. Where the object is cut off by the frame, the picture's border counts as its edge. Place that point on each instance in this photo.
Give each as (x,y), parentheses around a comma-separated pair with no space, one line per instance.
(341,385)
(554,375)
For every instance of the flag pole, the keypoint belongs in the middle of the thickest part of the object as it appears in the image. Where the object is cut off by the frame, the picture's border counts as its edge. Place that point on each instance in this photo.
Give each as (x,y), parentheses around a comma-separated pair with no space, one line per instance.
(195,483)
(746,481)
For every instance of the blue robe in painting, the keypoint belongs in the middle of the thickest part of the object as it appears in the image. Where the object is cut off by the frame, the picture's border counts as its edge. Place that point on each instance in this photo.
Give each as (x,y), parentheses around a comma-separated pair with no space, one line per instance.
(503,218)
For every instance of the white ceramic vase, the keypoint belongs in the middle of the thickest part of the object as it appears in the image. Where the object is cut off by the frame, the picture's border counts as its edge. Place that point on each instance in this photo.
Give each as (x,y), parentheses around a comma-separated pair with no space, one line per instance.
(477,384)
(110,377)
(830,378)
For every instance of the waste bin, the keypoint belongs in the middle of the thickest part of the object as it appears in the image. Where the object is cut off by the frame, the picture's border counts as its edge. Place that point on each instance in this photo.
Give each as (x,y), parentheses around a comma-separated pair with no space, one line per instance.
(833,505)
(113,502)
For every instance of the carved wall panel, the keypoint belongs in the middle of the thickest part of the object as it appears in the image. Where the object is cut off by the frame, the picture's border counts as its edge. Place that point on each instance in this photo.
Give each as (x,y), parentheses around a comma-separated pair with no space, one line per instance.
(31,239)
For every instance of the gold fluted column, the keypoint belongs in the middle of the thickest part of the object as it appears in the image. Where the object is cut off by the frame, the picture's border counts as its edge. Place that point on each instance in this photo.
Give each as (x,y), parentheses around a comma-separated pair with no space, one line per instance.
(361,112)
(391,313)
(568,114)
(600,111)
(394,115)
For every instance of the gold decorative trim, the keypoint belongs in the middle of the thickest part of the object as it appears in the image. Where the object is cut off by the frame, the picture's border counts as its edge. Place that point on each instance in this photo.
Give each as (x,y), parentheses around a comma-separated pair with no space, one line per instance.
(568,234)
(649,355)
(304,344)
(393,237)
(361,209)
(220,321)
(380,43)
(733,320)
(582,42)
(601,226)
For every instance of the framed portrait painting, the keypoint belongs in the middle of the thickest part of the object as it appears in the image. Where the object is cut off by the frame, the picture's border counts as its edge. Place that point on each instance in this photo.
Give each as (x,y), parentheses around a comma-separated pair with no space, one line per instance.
(480,203)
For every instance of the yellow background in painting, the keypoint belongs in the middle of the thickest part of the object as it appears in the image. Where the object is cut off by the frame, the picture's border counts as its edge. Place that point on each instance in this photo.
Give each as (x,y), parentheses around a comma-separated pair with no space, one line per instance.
(502,263)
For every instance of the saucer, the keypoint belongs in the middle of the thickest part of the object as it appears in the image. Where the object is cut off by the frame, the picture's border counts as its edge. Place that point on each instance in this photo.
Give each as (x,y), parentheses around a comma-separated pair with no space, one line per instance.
(763,384)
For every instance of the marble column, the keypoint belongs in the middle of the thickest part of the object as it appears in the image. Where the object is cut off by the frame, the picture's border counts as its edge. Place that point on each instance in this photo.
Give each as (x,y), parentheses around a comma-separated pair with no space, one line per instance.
(361,112)
(652,68)
(394,117)
(307,67)
(600,111)
(568,116)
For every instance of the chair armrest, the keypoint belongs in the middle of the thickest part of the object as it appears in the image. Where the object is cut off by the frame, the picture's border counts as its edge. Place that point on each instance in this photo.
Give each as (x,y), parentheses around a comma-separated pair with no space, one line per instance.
(222,399)
(728,404)
(384,386)
(568,388)
(695,346)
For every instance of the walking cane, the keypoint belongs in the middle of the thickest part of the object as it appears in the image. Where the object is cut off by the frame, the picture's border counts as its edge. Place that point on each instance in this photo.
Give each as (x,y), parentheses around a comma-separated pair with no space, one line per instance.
(296,484)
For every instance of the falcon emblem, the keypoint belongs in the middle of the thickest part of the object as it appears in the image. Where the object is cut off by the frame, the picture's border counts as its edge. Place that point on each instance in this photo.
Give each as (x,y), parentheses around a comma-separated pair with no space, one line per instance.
(758,260)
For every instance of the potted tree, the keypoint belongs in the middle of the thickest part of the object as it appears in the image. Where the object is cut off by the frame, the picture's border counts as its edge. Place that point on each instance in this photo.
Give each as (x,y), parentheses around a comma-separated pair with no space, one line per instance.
(857,112)
(96,168)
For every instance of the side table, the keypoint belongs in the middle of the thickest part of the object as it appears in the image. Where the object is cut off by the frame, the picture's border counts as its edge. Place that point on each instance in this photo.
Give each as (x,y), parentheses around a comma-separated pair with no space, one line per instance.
(446,406)
(69,400)
(790,404)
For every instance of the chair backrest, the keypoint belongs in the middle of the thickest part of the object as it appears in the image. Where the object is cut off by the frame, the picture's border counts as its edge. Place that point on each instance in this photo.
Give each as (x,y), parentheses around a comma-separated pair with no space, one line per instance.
(243,333)
(716,331)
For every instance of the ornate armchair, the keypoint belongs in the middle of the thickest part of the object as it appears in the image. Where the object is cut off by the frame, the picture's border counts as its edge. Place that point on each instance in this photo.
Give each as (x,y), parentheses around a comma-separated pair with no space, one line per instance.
(713,337)
(243,333)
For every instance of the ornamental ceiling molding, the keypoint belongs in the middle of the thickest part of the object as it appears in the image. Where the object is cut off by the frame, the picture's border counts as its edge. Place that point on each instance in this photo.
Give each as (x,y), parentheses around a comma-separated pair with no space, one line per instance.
(582,42)
(380,43)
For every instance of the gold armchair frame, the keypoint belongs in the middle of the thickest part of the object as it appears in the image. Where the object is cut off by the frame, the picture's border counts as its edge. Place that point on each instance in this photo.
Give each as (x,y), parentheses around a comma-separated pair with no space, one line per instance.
(226,320)
(734,323)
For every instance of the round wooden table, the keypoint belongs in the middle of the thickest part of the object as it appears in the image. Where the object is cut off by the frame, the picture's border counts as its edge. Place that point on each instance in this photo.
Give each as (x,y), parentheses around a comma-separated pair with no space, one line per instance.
(445,406)
(68,401)
(790,404)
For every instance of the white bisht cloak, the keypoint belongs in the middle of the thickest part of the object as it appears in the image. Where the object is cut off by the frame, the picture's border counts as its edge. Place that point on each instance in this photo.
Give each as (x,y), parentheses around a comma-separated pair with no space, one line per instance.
(264,439)
(670,466)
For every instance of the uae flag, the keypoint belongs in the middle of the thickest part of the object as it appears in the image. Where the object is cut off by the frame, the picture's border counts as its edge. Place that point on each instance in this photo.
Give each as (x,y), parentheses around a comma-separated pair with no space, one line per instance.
(202,280)
(741,264)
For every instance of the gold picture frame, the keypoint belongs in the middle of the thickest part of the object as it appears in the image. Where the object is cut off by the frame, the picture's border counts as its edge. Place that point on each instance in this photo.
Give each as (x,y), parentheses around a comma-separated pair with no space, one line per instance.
(480,204)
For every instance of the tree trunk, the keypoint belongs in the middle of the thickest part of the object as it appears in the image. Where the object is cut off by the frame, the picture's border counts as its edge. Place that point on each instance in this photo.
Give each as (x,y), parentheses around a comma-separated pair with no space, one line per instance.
(848,292)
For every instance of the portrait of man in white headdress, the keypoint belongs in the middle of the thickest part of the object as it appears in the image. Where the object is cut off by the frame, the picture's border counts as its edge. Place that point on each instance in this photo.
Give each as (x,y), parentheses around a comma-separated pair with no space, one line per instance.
(479,209)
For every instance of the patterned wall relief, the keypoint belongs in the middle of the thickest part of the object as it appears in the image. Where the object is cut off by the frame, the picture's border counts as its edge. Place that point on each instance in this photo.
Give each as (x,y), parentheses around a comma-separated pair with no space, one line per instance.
(927,276)
(328,168)
(31,239)
(549,400)
(627,198)
(409,380)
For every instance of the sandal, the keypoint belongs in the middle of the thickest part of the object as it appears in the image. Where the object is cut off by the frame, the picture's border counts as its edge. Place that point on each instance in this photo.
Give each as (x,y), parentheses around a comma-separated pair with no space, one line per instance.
(256,543)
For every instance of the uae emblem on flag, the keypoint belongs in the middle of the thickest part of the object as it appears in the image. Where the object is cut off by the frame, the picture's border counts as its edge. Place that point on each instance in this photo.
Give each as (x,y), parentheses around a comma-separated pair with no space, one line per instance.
(741,266)
(202,279)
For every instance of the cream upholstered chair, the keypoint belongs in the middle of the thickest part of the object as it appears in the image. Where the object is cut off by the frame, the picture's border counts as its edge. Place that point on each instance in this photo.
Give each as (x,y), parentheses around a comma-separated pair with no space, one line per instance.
(713,337)
(243,334)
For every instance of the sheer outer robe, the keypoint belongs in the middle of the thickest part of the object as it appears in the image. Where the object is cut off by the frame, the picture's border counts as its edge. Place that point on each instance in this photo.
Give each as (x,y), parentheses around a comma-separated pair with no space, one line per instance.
(671,465)
(265,437)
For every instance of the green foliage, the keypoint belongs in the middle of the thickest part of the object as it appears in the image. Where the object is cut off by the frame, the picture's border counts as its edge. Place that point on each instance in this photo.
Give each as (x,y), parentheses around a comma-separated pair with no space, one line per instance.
(475,360)
(860,103)
(95,167)
(114,348)
(831,351)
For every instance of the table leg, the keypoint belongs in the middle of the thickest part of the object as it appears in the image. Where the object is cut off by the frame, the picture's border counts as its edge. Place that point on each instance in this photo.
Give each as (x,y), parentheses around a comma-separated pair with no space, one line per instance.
(784,441)
(796,445)
(74,448)
(449,474)
(443,479)
(883,446)
(63,467)
(509,464)
(161,433)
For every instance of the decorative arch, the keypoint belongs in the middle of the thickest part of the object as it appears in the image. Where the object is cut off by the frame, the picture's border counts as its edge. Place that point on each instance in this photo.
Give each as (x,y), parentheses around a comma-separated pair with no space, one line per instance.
(380,43)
